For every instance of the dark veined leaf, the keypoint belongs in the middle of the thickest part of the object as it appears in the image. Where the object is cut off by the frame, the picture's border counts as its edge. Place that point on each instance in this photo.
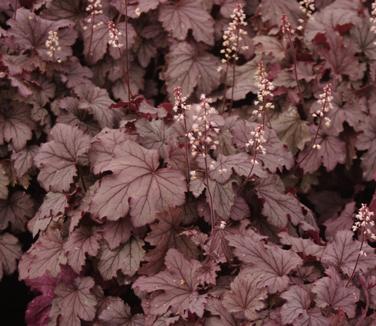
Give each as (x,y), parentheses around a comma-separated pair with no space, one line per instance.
(332,151)
(189,67)
(332,291)
(24,160)
(81,242)
(96,101)
(76,301)
(117,313)
(280,207)
(293,131)
(16,210)
(103,146)
(366,141)
(126,258)
(4,182)
(179,285)
(30,31)
(185,15)
(271,263)
(10,252)
(343,253)
(245,296)
(165,234)
(58,158)
(117,232)
(52,209)
(15,125)
(297,310)
(45,256)
(272,11)
(137,186)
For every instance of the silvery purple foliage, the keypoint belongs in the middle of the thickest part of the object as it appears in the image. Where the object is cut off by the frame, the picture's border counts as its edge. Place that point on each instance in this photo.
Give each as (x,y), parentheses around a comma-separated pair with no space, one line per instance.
(127,197)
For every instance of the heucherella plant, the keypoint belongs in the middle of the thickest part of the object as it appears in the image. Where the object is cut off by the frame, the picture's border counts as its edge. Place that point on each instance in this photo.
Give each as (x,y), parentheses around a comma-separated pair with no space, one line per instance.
(187,162)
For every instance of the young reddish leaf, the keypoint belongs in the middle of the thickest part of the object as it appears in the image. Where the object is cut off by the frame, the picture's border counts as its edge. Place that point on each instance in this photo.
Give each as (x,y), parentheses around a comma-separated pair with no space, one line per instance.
(45,256)
(297,310)
(117,232)
(331,291)
(117,313)
(335,15)
(343,253)
(16,210)
(52,209)
(179,285)
(76,301)
(137,178)
(189,67)
(279,207)
(271,263)
(96,101)
(10,252)
(126,258)
(340,57)
(81,242)
(245,296)
(24,160)
(185,15)
(15,125)
(57,159)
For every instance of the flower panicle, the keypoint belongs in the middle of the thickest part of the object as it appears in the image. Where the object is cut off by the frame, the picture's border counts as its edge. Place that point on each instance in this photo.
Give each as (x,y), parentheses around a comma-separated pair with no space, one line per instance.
(94,8)
(53,44)
(114,35)
(365,222)
(233,35)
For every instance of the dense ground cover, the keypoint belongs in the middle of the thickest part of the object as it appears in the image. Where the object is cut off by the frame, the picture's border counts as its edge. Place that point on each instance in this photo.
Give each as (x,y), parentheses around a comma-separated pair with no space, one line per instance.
(190,162)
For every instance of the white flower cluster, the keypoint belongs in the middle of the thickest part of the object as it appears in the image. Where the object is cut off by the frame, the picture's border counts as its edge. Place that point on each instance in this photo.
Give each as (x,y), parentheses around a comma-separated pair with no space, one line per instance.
(257,140)
(372,19)
(264,93)
(203,134)
(307,6)
(286,27)
(365,220)
(93,8)
(232,36)
(326,104)
(52,44)
(180,105)
(114,35)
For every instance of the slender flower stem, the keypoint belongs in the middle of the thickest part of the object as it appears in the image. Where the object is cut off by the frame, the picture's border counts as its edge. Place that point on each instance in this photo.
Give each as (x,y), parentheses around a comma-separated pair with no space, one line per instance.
(357,260)
(126,52)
